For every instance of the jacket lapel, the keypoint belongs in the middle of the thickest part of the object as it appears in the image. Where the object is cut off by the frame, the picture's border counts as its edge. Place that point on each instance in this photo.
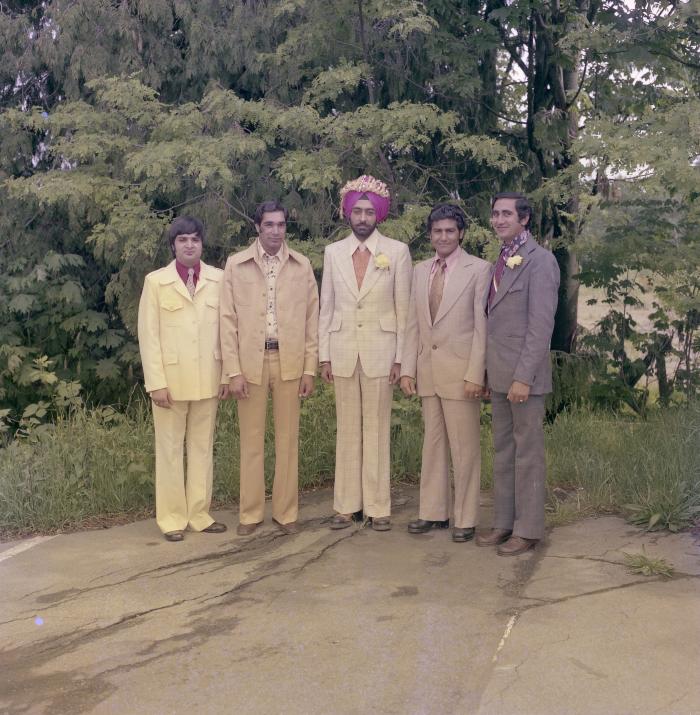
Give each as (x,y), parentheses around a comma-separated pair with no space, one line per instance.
(345,266)
(422,287)
(510,275)
(206,275)
(171,276)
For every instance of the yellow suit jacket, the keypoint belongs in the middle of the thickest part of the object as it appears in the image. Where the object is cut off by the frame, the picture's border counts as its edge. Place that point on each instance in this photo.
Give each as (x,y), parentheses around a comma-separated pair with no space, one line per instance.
(444,354)
(369,322)
(243,311)
(179,335)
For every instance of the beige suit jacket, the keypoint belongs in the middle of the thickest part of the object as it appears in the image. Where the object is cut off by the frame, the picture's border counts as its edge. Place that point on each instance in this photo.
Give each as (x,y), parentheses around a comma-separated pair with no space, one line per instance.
(243,311)
(444,354)
(369,322)
(179,335)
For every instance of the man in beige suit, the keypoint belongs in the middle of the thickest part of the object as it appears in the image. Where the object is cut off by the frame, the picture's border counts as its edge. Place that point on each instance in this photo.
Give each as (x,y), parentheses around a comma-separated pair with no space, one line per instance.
(443,362)
(269,342)
(178,330)
(364,302)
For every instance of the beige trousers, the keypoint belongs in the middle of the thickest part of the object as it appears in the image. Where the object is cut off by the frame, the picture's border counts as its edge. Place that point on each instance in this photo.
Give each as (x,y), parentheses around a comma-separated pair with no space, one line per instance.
(252,420)
(362,462)
(184,503)
(450,426)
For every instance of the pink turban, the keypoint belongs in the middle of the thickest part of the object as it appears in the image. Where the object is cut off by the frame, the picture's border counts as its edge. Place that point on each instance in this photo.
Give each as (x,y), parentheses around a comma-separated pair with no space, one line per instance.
(376,192)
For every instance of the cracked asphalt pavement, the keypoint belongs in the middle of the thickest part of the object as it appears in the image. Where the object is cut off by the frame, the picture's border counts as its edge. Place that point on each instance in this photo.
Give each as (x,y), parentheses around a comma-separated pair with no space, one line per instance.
(120,621)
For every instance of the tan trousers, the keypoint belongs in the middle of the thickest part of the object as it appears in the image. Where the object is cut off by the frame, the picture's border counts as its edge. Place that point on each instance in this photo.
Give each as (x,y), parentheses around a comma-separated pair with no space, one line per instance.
(450,425)
(362,463)
(252,419)
(179,503)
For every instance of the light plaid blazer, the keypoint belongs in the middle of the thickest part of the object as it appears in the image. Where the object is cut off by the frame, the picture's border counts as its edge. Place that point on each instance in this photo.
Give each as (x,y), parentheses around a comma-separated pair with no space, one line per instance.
(369,322)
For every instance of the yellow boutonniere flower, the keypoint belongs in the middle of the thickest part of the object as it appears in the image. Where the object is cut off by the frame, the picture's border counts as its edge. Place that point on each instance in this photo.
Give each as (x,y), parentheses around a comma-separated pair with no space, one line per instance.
(381,261)
(514,261)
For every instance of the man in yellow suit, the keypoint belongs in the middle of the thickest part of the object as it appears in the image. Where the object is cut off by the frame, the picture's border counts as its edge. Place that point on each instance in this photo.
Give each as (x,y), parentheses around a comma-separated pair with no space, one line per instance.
(178,331)
(269,341)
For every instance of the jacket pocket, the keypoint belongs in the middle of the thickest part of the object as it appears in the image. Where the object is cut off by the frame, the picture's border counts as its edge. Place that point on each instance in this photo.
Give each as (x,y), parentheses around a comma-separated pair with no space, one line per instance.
(170,359)
(172,312)
(212,310)
(336,323)
(388,323)
(460,348)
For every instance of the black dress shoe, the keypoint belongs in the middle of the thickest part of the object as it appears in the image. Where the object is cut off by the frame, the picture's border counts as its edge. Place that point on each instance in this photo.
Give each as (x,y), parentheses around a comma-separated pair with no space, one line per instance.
(215,527)
(421,526)
(174,535)
(463,534)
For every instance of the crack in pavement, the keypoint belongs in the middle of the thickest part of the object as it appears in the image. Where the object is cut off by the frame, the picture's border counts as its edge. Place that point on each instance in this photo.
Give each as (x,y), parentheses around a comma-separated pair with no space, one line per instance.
(246,549)
(63,643)
(596,592)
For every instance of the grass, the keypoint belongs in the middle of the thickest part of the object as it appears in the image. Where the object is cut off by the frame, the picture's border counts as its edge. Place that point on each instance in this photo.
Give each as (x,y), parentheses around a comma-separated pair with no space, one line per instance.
(96,466)
(647,469)
(648,566)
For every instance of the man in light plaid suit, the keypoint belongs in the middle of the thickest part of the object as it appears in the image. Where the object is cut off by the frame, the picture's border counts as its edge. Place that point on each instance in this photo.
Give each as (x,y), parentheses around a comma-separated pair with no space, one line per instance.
(364,303)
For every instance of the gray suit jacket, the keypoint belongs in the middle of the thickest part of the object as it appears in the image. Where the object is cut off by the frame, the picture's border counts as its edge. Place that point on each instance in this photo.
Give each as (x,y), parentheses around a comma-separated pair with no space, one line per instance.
(521,320)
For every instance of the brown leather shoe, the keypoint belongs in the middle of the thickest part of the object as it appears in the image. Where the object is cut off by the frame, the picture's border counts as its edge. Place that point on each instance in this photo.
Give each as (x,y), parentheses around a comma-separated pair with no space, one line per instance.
(341,521)
(215,527)
(247,529)
(174,535)
(494,537)
(291,527)
(516,545)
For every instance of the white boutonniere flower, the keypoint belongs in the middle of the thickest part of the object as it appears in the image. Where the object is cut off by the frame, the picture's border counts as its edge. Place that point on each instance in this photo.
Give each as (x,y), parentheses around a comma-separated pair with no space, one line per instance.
(514,261)
(381,261)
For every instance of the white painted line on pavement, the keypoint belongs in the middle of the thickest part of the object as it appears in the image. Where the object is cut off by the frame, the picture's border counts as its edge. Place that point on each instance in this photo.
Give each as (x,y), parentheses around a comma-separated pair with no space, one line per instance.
(24,546)
(509,628)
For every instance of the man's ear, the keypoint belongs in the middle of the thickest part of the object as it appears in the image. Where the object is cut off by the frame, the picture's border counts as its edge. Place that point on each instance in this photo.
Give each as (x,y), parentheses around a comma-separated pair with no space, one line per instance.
(461,237)
(257,228)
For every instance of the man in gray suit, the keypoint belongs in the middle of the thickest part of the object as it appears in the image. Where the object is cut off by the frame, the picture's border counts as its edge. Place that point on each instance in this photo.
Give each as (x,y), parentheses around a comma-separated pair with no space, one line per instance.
(520,304)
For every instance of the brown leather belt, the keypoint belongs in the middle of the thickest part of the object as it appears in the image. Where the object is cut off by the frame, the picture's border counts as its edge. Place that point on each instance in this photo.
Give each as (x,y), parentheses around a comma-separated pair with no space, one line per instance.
(272,345)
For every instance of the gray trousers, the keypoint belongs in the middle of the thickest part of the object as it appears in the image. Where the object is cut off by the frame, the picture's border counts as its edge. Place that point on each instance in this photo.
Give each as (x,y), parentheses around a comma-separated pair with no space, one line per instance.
(519,470)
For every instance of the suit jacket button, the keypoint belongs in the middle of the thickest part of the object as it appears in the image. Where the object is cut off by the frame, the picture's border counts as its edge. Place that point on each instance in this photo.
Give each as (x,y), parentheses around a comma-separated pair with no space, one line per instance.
(434,347)
(359,325)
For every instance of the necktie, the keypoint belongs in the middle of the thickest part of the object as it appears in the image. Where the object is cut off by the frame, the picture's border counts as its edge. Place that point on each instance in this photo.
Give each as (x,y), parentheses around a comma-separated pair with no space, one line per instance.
(360,260)
(190,282)
(436,288)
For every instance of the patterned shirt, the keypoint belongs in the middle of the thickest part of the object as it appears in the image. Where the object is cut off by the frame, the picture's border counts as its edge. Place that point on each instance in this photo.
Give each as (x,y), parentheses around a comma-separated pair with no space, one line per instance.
(271,266)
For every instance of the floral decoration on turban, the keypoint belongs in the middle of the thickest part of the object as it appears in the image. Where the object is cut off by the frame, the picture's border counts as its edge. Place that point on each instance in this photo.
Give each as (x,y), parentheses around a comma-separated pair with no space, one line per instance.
(376,192)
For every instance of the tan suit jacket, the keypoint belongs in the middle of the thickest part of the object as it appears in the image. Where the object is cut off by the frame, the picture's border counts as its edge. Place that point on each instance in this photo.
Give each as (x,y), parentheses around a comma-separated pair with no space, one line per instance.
(369,322)
(441,356)
(243,311)
(179,335)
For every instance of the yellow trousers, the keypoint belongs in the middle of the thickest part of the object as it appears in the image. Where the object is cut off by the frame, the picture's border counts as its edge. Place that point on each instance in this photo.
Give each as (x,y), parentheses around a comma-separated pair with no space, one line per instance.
(184,503)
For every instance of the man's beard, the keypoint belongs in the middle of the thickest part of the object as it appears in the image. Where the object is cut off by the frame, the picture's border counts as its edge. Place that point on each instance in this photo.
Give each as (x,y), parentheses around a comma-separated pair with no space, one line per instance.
(363,230)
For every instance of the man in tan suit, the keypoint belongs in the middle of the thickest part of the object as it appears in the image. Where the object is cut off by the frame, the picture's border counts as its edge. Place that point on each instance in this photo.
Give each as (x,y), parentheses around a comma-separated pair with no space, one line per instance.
(178,330)
(269,342)
(364,302)
(443,362)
